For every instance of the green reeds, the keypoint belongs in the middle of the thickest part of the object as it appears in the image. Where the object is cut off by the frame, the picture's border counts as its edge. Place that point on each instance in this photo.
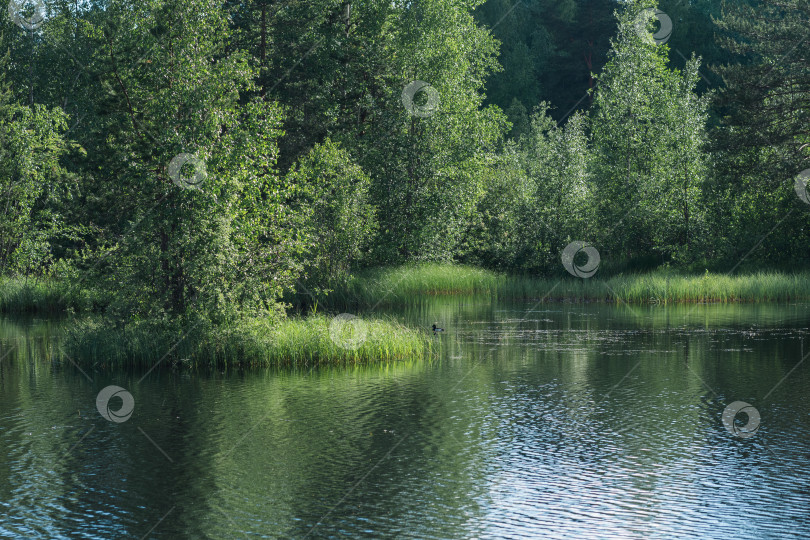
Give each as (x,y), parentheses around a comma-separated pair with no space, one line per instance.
(29,295)
(289,342)
(399,284)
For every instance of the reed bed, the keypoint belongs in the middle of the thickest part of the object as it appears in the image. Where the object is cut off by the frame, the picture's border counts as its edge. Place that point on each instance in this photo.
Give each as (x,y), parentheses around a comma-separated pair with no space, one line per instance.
(21,295)
(399,284)
(294,341)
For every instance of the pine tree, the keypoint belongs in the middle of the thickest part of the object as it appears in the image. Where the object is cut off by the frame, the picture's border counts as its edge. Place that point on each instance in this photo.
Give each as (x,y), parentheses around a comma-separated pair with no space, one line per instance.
(766,101)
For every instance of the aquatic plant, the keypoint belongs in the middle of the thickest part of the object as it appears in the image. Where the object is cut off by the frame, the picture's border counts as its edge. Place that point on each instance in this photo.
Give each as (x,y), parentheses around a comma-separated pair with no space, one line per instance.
(399,284)
(294,341)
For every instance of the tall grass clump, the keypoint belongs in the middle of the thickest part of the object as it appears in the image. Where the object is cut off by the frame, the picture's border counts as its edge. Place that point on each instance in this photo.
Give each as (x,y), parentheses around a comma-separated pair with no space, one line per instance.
(26,295)
(401,283)
(287,342)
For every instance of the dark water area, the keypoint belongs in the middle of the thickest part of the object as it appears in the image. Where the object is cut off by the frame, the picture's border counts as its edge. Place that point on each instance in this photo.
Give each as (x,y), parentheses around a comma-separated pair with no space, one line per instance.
(533,421)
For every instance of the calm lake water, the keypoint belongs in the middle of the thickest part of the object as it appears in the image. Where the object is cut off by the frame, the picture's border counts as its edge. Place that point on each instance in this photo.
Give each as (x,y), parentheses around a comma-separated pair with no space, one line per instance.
(552,421)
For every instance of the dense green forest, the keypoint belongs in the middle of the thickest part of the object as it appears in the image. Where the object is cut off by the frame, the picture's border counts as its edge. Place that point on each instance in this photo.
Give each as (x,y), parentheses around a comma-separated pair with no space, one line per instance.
(222,158)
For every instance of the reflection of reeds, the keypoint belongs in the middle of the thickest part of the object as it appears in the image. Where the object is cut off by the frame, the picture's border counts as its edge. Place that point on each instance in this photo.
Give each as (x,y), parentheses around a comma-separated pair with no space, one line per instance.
(400,284)
(288,342)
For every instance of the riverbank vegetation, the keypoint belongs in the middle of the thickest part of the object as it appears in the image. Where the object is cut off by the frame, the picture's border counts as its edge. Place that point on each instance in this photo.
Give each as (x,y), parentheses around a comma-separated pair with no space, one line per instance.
(385,286)
(46,296)
(291,341)
(167,161)
(381,286)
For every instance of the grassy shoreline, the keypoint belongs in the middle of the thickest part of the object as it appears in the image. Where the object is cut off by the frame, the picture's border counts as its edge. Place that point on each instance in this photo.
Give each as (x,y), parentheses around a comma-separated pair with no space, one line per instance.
(392,285)
(398,284)
(313,340)
(45,296)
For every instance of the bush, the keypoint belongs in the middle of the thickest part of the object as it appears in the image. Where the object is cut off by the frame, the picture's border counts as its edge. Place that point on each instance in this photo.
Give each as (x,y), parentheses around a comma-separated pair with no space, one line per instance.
(340,220)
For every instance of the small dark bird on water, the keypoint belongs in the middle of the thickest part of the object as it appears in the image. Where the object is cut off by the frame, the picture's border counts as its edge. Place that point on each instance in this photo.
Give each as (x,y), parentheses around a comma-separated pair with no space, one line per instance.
(437,329)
